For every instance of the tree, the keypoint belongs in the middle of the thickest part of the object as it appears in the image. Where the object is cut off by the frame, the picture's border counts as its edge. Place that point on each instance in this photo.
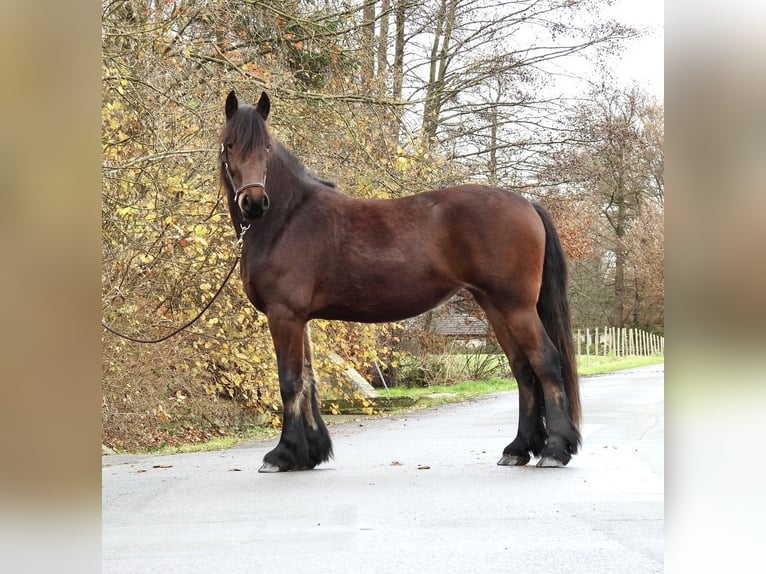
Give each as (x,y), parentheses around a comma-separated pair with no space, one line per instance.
(488,61)
(617,165)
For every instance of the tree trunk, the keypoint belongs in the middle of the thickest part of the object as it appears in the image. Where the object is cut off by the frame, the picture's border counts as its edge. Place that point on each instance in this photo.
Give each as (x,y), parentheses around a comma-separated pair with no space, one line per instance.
(398,69)
(493,145)
(368,40)
(440,56)
(619,261)
(385,9)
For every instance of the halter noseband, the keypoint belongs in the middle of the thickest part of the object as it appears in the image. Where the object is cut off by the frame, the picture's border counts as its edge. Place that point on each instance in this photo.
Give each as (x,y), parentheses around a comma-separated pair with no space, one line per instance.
(239,190)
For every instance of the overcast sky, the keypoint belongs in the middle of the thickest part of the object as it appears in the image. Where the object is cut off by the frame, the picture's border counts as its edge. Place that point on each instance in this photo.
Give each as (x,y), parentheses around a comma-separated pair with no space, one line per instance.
(643,59)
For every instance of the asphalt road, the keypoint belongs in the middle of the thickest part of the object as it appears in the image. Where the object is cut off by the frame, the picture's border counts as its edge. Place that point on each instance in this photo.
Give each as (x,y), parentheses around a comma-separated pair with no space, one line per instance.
(419,492)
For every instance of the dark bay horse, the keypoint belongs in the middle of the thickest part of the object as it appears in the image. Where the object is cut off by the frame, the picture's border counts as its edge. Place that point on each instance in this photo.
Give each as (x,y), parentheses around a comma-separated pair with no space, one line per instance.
(310,252)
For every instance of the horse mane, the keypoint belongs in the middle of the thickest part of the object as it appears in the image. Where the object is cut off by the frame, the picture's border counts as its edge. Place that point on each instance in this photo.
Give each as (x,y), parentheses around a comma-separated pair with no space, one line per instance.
(294,165)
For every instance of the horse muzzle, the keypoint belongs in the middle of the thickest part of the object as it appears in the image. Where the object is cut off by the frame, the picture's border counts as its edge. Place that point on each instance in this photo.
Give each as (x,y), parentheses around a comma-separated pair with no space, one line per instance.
(253,207)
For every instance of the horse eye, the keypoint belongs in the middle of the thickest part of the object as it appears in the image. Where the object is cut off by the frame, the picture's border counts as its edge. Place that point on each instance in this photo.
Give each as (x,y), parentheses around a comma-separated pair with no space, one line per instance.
(230,145)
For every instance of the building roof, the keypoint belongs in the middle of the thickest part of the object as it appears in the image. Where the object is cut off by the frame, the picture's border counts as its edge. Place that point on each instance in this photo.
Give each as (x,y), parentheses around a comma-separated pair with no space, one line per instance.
(460,326)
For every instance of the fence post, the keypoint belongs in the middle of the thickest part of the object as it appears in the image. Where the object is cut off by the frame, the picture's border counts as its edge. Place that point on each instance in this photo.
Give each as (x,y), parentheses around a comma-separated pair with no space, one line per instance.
(642,350)
(618,341)
(596,342)
(624,341)
(632,337)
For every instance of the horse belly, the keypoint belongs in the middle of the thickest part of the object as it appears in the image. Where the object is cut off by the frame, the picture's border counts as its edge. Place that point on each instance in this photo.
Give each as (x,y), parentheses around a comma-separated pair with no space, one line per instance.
(382,299)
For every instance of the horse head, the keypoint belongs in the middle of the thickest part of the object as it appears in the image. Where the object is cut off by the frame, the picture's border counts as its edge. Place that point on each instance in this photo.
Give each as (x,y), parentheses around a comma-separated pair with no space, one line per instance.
(245,147)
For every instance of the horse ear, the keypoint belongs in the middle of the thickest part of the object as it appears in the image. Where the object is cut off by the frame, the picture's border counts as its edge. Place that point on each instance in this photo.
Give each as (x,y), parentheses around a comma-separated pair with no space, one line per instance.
(263,106)
(231,104)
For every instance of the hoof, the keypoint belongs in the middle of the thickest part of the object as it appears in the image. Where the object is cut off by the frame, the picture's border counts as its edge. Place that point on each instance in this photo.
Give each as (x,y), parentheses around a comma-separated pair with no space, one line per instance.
(550,462)
(513,460)
(268,467)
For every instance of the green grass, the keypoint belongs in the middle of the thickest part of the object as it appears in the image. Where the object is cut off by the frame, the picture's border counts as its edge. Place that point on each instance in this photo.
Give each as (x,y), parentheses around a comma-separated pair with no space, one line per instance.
(464,389)
(590,365)
(586,365)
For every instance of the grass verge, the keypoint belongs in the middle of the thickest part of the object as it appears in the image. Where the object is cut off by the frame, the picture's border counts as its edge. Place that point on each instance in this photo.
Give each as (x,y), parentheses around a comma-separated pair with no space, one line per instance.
(218,443)
(590,365)
(459,391)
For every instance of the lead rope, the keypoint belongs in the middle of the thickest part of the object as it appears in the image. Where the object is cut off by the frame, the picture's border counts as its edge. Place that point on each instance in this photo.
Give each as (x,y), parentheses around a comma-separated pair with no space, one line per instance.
(240,242)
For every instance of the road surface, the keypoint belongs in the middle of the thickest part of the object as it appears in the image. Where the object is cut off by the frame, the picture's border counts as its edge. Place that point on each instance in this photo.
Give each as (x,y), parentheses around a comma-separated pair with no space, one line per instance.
(419,492)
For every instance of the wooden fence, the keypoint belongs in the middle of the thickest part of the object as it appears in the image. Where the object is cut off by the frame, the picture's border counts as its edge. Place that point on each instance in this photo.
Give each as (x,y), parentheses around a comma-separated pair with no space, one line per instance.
(618,342)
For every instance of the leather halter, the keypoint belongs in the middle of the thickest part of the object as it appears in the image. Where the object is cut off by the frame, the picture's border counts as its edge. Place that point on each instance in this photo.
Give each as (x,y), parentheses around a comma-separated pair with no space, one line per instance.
(239,190)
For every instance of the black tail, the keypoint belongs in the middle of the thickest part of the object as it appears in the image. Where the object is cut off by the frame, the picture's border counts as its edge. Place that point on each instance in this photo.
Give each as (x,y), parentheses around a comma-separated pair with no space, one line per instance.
(553,308)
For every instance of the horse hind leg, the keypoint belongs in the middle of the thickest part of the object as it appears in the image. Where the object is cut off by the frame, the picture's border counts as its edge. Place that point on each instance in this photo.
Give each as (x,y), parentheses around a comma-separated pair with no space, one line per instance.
(531,435)
(563,438)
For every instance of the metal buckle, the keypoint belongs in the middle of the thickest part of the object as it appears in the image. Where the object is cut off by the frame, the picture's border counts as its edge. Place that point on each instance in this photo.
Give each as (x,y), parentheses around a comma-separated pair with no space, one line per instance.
(241,239)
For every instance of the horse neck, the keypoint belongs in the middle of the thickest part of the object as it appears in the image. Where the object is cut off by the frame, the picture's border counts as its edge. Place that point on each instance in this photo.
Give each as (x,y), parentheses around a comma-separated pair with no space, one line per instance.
(286,181)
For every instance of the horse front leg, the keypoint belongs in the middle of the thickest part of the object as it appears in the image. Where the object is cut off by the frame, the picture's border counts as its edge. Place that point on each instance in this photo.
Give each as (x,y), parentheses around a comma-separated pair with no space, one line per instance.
(320,445)
(305,441)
